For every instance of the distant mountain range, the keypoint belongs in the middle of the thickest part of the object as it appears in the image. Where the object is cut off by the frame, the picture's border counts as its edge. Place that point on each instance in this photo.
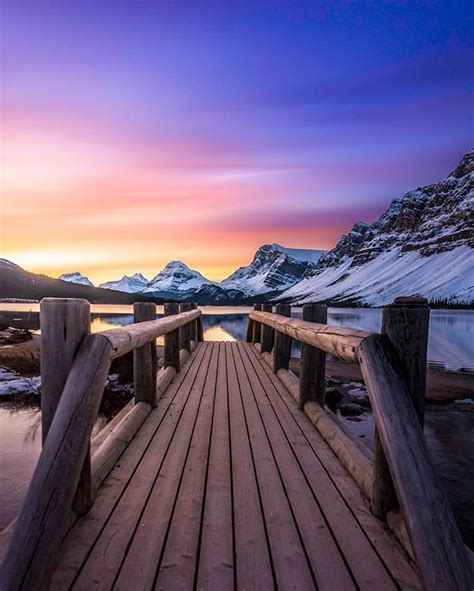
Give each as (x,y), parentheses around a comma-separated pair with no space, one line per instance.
(423,244)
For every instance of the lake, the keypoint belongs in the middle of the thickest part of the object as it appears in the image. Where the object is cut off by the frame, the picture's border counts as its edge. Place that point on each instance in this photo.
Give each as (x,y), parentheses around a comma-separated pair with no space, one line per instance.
(450,345)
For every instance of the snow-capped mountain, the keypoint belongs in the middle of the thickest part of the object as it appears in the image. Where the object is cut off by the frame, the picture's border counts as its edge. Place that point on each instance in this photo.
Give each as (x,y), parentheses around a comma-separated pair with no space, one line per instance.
(273,268)
(135,283)
(176,277)
(76,277)
(423,243)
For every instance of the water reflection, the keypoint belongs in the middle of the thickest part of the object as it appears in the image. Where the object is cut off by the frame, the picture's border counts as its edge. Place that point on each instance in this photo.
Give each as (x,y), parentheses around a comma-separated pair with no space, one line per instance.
(451,337)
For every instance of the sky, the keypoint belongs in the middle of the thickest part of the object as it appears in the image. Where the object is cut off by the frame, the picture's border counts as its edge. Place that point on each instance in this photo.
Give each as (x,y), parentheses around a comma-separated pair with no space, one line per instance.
(137,132)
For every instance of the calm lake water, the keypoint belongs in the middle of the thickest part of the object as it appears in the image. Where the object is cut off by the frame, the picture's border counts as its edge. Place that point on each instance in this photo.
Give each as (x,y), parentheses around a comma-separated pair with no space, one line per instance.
(451,347)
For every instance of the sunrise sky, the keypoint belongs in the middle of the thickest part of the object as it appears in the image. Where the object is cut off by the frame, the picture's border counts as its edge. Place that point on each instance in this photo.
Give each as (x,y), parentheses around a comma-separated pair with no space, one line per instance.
(135,133)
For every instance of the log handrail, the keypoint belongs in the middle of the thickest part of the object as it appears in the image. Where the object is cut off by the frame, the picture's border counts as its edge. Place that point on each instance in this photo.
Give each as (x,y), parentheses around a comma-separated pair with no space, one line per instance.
(46,510)
(437,545)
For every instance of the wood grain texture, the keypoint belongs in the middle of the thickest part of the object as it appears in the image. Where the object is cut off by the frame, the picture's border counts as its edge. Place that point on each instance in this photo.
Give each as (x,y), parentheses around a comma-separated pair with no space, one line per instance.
(335,340)
(127,338)
(313,361)
(439,550)
(266,341)
(145,362)
(185,331)
(257,327)
(282,348)
(64,323)
(406,323)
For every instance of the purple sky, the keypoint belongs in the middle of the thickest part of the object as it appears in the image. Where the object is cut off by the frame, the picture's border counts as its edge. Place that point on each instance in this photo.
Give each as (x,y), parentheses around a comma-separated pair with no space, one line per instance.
(202,130)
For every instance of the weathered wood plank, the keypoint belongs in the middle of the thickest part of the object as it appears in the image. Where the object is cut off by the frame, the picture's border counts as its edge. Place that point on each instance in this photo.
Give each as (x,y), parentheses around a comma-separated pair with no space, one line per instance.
(289,559)
(129,519)
(366,567)
(179,559)
(80,540)
(380,539)
(324,556)
(216,556)
(439,550)
(253,566)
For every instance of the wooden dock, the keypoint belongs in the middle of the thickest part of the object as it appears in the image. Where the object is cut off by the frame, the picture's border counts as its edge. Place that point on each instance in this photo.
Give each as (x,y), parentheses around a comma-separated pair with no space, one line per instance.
(215,478)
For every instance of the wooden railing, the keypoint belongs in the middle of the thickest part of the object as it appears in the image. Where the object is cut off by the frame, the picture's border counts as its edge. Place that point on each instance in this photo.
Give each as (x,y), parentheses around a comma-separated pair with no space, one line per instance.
(74,367)
(402,475)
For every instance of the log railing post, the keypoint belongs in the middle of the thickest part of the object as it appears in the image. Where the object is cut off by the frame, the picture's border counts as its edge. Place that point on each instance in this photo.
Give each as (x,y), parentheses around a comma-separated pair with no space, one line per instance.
(406,323)
(282,347)
(313,361)
(64,323)
(193,326)
(172,340)
(257,327)
(267,332)
(250,325)
(185,331)
(144,358)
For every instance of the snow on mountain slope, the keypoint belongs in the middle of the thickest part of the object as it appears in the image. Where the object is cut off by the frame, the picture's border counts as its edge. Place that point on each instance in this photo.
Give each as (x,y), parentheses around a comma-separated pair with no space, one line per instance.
(76,277)
(423,243)
(135,283)
(273,268)
(176,277)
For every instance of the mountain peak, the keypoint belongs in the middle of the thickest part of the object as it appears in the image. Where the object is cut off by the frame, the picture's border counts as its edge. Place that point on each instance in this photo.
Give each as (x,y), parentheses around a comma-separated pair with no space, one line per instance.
(76,277)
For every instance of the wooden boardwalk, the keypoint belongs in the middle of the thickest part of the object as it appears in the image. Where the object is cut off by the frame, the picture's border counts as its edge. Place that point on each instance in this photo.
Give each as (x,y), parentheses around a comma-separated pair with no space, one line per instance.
(228,486)
(227,471)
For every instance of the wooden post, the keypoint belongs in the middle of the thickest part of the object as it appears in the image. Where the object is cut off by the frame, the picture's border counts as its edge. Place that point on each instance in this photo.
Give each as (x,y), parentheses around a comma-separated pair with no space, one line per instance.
(267,332)
(185,331)
(200,330)
(406,323)
(257,327)
(313,361)
(64,323)
(249,336)
(144,358)
(172,340)
(282,349)
(193,327)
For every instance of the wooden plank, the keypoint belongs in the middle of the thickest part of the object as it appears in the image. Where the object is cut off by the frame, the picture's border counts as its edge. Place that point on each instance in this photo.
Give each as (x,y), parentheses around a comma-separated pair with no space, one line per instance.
(179,559)
(289,559)
(366,566)
(324,556)
(152,501)
(83,535)
(103,564)
(379,537)
(253,566)
(216,556)
(335,340)
(145,362)
(437,544)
